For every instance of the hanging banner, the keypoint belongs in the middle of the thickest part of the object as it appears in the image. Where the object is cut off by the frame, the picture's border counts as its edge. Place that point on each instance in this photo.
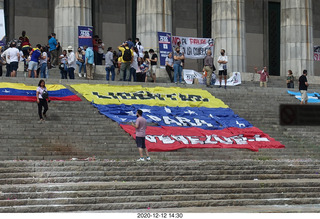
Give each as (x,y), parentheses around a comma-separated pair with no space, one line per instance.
(316,53)
(165,46)
(85,34)
(2,29)
(193,48)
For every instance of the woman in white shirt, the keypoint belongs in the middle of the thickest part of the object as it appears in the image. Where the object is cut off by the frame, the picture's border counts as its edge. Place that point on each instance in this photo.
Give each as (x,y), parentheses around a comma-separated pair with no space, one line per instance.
(63,65)
(134,65)
(43,62)
(42,96)
(169,66)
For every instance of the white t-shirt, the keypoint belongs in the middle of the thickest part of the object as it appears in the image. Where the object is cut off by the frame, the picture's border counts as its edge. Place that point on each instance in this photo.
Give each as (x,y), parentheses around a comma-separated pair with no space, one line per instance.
(6,54)
(100,50)
(45,60)
(21,56)
(140,50)
(72,60)
(63,59)
(134,64)
(40,90)
(222,58)
(13,54)
(170,61)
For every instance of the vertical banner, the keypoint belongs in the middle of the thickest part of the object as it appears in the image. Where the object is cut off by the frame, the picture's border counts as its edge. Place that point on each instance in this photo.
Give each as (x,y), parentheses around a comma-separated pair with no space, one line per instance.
(165,46)
(85,36)
(2,29)
(316,53)
(193,48)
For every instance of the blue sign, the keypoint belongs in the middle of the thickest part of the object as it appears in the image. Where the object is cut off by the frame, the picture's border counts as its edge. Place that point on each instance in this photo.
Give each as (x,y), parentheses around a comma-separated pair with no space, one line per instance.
(165,46)
(85,36)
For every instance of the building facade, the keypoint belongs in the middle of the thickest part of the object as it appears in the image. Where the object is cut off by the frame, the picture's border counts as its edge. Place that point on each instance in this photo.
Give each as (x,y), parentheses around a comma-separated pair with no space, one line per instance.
(273,33)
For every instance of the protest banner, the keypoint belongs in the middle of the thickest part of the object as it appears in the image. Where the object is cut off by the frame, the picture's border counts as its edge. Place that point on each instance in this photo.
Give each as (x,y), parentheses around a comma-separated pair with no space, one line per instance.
(85,36)
(165,46)
(316,53)
(193,48)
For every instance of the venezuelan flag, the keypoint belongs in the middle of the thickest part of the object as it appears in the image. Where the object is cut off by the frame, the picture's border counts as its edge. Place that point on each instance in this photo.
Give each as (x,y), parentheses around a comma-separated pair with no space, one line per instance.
(22,92)
(181,118)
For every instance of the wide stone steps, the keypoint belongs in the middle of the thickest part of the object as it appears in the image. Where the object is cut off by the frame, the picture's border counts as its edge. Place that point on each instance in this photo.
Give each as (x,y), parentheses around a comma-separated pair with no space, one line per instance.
(153,195)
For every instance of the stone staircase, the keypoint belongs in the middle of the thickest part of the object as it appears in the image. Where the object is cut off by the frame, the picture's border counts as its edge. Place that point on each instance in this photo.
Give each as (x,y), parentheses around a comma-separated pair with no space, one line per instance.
(37,174)
(117,186)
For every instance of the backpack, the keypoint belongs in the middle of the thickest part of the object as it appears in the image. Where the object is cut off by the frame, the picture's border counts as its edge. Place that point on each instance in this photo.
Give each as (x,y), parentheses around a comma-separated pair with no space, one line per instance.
(45,95)
(126,55)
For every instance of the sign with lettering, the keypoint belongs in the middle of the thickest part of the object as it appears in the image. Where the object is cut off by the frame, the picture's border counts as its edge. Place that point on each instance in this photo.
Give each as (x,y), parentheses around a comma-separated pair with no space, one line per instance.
(193,48)
(85,36)
(180,118)
(165,46)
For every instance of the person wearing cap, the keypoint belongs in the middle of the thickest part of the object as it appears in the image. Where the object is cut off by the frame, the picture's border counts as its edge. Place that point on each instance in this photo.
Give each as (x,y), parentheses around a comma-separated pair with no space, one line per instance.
(72,62)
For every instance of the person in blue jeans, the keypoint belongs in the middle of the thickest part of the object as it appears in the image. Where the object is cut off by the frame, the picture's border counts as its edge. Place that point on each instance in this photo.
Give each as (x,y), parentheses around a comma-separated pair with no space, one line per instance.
(178,57)
(110,64)
(43,62)
(63,65)
(80,56)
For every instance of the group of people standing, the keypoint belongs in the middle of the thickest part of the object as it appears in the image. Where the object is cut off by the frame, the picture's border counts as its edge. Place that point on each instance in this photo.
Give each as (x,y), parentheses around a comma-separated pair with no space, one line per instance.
(133,63)
(35,59)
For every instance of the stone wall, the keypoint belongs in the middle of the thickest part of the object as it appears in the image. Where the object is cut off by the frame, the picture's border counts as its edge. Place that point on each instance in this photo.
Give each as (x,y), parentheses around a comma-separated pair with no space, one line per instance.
(36,19)
(256,56)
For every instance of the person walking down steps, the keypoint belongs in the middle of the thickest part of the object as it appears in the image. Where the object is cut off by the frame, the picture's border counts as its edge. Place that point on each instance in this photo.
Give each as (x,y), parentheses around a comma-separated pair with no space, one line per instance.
(42,100)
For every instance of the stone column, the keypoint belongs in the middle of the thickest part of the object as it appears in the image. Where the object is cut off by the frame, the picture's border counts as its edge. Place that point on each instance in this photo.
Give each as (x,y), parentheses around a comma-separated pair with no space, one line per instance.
(228,30)
(296,37)
(69,14)
(153,16)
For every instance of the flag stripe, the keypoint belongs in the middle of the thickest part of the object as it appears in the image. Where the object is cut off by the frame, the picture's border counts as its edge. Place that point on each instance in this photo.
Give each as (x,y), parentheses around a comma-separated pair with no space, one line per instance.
(18,92)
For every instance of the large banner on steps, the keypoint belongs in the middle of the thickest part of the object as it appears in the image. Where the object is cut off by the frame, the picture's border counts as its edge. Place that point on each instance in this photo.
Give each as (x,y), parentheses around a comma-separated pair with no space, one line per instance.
(178,118)
(22,92)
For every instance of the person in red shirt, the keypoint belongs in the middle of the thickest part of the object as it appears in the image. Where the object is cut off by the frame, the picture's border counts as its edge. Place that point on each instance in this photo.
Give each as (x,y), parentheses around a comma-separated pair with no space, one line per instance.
(95,43)
(25,46)
(263,76)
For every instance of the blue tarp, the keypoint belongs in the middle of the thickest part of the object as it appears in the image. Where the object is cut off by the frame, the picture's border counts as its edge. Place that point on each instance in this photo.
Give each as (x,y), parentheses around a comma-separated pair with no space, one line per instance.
(312,97)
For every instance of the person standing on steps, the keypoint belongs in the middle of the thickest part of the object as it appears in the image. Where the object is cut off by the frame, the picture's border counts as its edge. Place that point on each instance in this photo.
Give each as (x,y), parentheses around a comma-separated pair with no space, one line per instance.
(141,126)
(72,62)
(178,57)
(209,67)
(42,97)
(303,87)
(263,76)
(89,60)
(290,80)
(169,66)
(223,68)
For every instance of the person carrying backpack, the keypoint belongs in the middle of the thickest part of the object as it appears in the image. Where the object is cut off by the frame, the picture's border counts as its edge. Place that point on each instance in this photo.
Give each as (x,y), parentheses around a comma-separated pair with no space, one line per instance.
(127,58)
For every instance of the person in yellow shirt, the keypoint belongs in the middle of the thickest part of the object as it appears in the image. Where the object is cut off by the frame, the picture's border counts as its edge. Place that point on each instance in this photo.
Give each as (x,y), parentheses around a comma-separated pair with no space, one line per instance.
(126,60)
